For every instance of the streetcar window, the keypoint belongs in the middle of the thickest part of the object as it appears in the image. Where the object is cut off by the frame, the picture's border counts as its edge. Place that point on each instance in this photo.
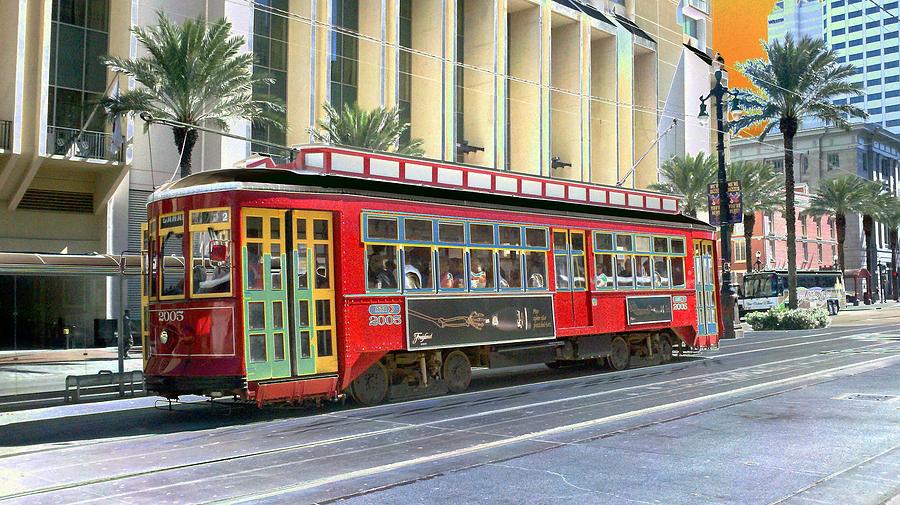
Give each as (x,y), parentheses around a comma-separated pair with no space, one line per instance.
(660,245)
(417,268)
(382,261)
(300,228)
(603,268)
(254,266)
(277,314)
(320,229)
(579,275)
(624,270)
(577,241)
(661,272)
(275,266)
(418,230)
(603,241)
(561,265)
(536,237)
(279,347)
(642,244)
(642,264)
(451,265)
(275,228)
(382,228)
(324,339)
(173,264)
(322,268)
(536,270)
(453,233)
(302,313)
(677,245)
(208,276)
(481,234)
(510,235)
(256,315)
(510,263)
(254,227)
(560,241)
(624,243)
(302,267)
(677,272)
(323,312)
(304,344)
(481,269)
(257,348)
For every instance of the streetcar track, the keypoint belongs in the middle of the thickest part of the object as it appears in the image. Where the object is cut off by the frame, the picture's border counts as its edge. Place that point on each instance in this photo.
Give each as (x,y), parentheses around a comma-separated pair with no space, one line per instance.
(535,436)
(432,424)
(657,370)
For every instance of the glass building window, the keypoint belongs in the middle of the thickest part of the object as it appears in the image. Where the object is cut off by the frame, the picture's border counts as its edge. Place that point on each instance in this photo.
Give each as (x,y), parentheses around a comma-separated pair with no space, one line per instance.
(344,53)
(459,73)
(79,37)
(270,43)
(404,70)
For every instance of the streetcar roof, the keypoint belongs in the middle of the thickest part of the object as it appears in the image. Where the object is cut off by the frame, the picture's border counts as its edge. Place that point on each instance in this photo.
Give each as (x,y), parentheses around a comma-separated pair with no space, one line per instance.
(281,180)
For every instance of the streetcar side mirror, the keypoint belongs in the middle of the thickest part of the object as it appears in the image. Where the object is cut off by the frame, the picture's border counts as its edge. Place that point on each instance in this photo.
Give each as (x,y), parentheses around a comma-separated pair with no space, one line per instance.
(218,252)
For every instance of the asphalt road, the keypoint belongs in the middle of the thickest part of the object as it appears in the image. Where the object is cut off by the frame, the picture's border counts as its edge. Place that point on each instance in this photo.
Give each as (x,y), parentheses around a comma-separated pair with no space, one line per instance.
(803,417)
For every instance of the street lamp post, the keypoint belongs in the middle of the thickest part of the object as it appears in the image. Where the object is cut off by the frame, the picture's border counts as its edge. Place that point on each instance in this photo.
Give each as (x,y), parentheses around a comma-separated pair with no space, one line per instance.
(727,294)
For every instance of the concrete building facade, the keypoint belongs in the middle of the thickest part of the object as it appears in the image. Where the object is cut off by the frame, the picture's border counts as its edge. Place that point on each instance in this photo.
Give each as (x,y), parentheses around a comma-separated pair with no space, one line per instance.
(867,151)
(579,90)
(865,35)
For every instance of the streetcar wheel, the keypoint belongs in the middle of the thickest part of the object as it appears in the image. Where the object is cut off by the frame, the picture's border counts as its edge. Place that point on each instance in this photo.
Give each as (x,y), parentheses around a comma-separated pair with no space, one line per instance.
(619,355)
(553,365)
(372,386)
(665,349)
(457,371)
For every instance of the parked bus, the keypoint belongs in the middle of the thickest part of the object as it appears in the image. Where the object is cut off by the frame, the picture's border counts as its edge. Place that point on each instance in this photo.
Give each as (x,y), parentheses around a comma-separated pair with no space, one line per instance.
(768,289)
(375,275)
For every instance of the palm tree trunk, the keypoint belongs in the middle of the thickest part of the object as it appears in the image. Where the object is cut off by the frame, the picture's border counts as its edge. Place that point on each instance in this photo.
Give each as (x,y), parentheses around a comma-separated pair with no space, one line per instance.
(840,226)
(788,128)
(868,232)
(749,222)
(185,139)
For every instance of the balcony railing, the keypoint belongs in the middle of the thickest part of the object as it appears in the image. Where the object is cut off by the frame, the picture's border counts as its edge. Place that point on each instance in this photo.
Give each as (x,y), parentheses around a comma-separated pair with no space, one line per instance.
(5,134)
(62,141)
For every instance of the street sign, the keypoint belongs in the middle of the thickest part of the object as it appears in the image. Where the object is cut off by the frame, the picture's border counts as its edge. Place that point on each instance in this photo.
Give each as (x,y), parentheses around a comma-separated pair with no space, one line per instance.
(735,206)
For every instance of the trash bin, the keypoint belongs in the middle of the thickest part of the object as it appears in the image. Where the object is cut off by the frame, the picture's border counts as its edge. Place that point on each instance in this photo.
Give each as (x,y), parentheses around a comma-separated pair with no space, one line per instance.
(105,332)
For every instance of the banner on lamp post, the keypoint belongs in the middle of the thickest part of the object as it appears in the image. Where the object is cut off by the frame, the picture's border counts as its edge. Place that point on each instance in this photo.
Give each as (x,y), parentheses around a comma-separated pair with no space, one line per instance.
(735,209)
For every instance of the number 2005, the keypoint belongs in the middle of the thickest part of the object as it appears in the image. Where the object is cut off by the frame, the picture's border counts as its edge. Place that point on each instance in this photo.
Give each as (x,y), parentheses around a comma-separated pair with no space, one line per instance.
(389,320)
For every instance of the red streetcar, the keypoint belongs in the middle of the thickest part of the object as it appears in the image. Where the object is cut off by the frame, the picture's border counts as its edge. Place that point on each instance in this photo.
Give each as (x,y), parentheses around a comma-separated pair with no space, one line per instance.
(376,275)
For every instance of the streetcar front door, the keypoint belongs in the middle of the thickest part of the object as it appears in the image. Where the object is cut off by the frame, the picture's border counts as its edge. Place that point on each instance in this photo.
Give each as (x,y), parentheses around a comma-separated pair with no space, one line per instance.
(266,350)
(312,293)
(705,288)
(570,267)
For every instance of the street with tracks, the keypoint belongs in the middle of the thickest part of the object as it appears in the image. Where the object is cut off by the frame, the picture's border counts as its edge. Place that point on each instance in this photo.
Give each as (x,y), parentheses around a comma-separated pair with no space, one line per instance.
(776,417)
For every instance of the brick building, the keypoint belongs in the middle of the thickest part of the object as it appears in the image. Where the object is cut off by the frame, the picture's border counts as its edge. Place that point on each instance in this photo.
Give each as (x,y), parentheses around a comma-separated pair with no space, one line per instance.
(816,241)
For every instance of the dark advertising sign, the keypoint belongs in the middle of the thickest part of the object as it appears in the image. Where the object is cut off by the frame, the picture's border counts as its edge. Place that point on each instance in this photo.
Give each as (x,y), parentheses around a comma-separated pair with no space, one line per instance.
(735,210)
(648,309)
(474,320)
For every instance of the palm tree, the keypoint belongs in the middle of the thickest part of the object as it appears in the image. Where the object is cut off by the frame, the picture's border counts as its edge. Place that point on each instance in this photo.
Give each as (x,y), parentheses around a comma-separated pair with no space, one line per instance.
(799,79)
(840,197)
(378,130)
(690,177)
(760,192)
(890,217)
(193,74)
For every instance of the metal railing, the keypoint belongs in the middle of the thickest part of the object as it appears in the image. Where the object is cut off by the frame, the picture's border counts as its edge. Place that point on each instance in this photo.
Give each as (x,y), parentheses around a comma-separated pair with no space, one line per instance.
(62,141)
(5,134)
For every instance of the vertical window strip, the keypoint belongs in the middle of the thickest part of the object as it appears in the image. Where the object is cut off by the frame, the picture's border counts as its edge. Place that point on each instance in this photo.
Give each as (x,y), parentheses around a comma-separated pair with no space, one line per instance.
(270,57)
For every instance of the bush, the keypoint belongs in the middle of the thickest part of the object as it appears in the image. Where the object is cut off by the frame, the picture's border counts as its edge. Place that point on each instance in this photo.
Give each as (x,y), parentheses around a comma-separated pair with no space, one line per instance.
(780,318)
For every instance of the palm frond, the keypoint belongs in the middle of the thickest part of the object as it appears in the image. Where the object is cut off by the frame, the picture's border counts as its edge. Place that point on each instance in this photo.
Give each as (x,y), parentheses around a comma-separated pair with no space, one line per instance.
(378,129)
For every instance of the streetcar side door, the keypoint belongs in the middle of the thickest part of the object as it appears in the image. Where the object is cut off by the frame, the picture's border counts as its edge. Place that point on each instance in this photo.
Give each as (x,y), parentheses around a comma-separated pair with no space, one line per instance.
(314,340)
(266,350)
(570,270)
(705,287)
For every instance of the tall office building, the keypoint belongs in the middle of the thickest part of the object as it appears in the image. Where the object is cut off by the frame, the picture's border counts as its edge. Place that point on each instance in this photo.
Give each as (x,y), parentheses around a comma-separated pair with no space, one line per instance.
(865,34)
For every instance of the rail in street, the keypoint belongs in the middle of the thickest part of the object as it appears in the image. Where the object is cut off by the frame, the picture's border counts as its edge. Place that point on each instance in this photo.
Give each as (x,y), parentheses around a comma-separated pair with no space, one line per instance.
(772,418)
